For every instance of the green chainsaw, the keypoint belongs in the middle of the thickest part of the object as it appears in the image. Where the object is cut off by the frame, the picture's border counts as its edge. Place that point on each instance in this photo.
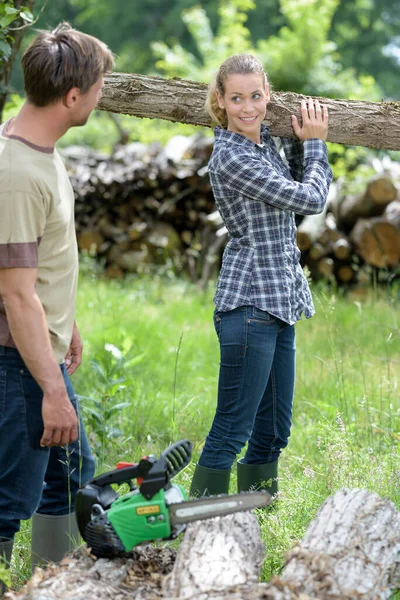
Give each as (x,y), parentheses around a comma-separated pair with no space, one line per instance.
(154,509)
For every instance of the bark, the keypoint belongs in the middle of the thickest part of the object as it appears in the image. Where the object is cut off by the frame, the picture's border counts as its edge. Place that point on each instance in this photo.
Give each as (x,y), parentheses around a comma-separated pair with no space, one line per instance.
(216,555)
(371,124)
(350,550)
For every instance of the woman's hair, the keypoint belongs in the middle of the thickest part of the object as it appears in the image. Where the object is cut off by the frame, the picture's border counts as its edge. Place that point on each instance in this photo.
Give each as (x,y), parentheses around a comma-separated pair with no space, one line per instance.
(238,64)
(60,60)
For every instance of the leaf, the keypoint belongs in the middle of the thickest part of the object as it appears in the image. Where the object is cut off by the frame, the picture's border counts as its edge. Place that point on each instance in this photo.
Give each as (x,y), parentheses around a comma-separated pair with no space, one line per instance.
(5,48)
(98,369)
(7,20)
(121,405)
(26,15)
(9,10)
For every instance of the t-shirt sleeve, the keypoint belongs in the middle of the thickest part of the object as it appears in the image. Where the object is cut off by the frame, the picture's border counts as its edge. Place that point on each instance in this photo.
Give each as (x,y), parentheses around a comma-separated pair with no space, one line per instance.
(22,223)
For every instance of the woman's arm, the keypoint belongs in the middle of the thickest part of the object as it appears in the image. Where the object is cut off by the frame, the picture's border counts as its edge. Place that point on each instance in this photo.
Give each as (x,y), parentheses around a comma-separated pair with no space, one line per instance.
(250,176)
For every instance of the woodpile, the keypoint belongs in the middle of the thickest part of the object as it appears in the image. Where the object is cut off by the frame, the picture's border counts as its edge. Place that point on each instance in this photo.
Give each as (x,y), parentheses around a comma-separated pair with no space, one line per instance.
(149,207)
(350,550)
(144,205)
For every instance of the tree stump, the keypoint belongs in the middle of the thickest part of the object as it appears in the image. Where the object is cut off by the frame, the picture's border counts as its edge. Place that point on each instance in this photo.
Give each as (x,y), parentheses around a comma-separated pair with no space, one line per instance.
(350,551)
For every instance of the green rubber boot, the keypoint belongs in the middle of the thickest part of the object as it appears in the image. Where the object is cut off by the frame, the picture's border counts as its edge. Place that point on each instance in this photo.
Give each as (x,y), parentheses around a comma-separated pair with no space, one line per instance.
(6,546)
(257,477)
(53,537)
(209,482)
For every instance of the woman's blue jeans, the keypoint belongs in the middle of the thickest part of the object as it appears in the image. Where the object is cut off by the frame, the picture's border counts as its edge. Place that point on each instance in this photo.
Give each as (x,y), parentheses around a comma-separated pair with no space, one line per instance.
(255,388)
(34,479)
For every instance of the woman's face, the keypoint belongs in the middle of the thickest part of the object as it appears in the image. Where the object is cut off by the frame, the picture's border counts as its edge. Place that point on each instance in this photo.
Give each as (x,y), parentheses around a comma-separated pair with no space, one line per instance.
(245,101)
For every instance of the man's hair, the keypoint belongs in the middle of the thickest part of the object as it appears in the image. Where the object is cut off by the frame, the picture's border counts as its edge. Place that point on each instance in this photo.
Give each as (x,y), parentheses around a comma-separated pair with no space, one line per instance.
(60,60)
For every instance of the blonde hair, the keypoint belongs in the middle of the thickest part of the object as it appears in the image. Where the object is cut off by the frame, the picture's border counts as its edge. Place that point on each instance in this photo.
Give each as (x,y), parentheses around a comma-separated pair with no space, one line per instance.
(238,64)
(57,61)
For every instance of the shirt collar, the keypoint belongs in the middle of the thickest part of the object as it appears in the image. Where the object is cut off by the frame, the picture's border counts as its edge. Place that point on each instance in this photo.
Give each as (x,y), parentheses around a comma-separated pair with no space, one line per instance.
(223,135)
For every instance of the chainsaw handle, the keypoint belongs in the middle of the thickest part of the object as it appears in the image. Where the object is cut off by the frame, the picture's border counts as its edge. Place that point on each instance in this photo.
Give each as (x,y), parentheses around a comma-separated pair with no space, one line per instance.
(125,474)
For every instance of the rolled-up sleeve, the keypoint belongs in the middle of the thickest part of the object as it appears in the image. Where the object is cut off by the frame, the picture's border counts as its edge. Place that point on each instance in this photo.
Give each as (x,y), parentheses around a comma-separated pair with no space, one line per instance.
(250,175)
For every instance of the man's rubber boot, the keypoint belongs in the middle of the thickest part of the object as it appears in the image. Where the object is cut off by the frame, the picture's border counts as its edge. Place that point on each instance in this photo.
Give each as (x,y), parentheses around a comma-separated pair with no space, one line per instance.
(53,537)
(6,546)
(257,477)
(209,482)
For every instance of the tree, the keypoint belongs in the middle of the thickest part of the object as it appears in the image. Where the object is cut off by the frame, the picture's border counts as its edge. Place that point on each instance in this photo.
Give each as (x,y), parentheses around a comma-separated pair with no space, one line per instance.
(15,17)
(366,32)
(294,58)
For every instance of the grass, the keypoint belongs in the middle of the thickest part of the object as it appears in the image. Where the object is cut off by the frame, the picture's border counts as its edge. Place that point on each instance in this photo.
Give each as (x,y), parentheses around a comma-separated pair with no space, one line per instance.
(149,378)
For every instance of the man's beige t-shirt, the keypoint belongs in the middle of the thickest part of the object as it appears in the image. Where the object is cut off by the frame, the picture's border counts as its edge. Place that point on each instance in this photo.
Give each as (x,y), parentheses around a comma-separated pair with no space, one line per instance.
(37,230)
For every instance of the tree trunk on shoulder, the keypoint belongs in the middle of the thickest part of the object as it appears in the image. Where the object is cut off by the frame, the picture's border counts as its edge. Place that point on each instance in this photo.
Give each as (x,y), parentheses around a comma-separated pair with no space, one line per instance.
(371,124)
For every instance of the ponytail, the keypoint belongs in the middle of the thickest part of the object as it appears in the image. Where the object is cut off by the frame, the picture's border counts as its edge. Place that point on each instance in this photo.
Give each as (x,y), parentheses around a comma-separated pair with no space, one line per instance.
(218,115)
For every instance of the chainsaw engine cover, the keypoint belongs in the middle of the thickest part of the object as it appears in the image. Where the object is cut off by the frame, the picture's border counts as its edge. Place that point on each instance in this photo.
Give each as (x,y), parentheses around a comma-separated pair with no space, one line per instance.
(102,538)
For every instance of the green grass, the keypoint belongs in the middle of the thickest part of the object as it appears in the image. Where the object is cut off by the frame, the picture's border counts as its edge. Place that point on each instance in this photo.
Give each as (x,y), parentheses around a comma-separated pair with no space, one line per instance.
(149,377)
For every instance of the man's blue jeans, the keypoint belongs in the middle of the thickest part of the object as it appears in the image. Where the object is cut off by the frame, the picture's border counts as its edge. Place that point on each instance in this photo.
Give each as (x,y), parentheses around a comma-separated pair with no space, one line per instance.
(255,389)
(34,479)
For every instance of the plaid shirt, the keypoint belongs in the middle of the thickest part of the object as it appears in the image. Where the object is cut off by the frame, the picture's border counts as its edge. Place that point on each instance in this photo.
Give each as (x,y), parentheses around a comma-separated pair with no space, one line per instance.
(257,195)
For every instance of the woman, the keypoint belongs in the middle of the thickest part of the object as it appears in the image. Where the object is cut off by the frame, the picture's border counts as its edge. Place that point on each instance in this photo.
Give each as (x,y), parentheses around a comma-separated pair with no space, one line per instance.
(261,289)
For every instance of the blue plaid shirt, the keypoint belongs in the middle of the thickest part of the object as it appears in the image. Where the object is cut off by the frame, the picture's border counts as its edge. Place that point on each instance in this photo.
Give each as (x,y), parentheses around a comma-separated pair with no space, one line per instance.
(257,195)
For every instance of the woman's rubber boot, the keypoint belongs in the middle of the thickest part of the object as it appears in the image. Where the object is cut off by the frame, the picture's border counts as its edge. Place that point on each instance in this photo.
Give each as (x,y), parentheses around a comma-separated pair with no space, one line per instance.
(6,546)
(53,537)
(257,477)
(209,482)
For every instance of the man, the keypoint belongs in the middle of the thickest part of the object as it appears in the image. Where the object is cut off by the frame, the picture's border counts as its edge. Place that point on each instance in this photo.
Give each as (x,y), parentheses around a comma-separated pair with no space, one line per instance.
(44,452)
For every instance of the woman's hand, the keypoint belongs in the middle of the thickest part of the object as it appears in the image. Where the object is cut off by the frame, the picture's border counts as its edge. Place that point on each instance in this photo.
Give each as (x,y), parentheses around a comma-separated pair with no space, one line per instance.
(315,121)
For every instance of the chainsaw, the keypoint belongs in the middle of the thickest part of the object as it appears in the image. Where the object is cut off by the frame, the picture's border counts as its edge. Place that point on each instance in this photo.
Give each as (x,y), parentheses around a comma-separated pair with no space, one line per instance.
(153,509)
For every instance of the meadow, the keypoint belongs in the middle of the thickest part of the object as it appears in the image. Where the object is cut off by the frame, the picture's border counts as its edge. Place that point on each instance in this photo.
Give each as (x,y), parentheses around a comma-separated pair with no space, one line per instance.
(149,378)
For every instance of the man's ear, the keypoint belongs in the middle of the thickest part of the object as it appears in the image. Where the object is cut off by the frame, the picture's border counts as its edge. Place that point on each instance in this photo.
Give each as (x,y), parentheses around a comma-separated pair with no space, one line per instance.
(219,99)
(71,97)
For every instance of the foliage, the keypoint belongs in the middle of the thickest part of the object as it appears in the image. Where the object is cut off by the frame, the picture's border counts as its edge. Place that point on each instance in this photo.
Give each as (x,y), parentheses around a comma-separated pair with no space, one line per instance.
(367,34)
(9,15)
(232,37)
(363,34)
(293,59)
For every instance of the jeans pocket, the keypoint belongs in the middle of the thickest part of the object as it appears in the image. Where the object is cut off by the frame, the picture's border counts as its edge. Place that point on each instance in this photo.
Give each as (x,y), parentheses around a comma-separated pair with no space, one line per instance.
(257,315)
(3,385)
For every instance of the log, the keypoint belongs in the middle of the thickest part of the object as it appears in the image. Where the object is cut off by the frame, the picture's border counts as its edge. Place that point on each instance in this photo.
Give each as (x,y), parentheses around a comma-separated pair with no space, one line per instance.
(350,550)
(377,241)
(309,230)
(392,213)
(216,555)
(371,203)
(370,124)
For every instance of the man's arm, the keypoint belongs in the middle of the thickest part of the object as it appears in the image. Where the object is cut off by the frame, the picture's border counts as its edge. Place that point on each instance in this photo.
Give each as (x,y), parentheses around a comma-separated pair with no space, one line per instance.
(28,327)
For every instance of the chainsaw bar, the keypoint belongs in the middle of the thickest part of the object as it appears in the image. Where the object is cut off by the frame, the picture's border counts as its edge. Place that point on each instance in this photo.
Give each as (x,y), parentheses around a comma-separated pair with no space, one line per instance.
(216,506)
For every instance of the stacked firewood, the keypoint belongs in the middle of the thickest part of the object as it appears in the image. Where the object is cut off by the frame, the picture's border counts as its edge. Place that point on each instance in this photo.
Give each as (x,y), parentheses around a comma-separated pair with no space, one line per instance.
(356,237)
(146,205)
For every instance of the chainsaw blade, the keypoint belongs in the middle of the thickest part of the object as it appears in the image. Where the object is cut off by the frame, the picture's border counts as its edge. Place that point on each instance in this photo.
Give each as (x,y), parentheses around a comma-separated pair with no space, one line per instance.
(216,506)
